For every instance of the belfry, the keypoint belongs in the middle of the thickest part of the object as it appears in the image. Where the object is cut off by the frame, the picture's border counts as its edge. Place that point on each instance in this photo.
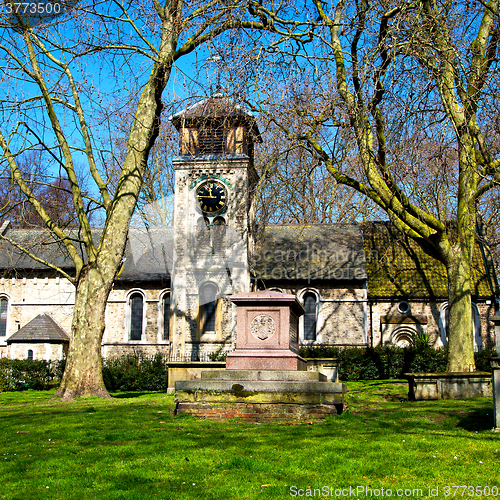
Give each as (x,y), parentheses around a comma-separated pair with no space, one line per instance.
(214,181)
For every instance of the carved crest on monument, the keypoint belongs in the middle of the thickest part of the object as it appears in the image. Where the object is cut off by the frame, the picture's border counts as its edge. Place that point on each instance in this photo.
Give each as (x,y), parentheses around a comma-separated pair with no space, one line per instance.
(263,327)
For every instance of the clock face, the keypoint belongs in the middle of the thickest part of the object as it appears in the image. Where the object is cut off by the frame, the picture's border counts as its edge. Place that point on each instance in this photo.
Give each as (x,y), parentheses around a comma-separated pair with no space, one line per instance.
(212,196)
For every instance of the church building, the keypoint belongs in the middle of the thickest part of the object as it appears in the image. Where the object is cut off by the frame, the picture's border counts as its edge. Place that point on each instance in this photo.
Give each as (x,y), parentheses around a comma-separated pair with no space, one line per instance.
(361,284)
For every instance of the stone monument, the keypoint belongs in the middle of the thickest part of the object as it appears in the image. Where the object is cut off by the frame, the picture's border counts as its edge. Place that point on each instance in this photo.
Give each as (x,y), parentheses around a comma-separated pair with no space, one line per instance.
(267,332)
(265,378)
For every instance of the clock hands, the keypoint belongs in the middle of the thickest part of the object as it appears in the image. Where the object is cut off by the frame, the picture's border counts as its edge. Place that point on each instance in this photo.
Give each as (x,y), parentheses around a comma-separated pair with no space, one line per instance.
(209,189)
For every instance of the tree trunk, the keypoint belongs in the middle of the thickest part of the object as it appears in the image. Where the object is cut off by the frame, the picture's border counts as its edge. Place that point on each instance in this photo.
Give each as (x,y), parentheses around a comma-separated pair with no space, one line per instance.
(460,330)
(83,374)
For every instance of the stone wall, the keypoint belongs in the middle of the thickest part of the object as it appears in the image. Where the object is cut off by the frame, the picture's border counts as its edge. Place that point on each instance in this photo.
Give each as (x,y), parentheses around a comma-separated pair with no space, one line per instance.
(116,340)
(341,312)
(31,295)
(345,317)
(46,351)
(386,323)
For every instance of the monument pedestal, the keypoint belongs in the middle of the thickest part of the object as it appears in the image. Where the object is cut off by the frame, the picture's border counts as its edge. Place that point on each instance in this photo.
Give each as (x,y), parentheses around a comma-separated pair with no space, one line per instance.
(265,378)
(260,359)
(267,332)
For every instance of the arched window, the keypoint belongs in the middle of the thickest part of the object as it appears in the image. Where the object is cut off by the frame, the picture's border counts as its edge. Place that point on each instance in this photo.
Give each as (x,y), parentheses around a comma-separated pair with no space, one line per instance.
(4,311)
(208,307)
(166,316)
(219,234)
(203,233)
(30,354)
(403,336)
(310,316)
(136,302)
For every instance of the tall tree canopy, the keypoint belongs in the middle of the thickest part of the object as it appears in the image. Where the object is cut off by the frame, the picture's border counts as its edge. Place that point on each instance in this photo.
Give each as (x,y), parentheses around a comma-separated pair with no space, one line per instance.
(63,81)
(409,89)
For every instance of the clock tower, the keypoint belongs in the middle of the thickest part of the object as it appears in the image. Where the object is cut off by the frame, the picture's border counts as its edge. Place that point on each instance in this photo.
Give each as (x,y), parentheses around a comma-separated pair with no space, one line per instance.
(214,181)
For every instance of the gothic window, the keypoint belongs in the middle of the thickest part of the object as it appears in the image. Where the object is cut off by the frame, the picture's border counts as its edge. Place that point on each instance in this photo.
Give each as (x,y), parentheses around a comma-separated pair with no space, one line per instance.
(29,354)
(136,304)
(208,307)
(310,316)
(4,311)
(166,316)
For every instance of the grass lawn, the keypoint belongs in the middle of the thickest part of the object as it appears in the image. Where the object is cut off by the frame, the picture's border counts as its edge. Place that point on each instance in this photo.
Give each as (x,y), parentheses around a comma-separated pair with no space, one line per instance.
(131,447)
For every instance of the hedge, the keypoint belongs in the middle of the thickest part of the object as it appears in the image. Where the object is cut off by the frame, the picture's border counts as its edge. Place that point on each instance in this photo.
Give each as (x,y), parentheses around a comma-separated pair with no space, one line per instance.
(128,373)
(388,362)
(140,373)
(21,374)
(136,373)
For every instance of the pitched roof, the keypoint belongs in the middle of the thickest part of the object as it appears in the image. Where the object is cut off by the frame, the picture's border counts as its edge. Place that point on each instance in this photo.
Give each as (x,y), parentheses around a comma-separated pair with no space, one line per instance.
(398,267)
(148,253)
(41,243)
(394,265)
(314,251)
(214,106)
(43,328)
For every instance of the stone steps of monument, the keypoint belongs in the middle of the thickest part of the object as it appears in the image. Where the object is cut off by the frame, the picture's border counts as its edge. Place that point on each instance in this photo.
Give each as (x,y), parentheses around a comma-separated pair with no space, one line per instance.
(263,375)
(262,386)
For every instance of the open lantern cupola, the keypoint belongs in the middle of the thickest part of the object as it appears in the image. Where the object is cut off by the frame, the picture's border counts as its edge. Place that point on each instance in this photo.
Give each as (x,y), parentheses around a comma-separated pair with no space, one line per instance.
(216,126)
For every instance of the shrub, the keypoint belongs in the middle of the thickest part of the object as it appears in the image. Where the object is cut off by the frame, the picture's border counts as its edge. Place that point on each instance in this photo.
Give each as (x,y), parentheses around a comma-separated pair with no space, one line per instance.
(387,362)
(219,355)
(135,373)
(3,377)
(482,359)
(58,368)
(21,374)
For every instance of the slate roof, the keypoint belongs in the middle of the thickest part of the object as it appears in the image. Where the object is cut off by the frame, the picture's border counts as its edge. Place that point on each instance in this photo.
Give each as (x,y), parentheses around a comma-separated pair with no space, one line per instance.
(38,241)
(43,328)
(315,251)
(398,267)
(393,265)
(148,254)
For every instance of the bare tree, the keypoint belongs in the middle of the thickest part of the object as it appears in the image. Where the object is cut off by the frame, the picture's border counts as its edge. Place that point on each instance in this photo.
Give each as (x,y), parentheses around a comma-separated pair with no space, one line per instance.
(54,192)
(295,187)
(410,86)
(62,83)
